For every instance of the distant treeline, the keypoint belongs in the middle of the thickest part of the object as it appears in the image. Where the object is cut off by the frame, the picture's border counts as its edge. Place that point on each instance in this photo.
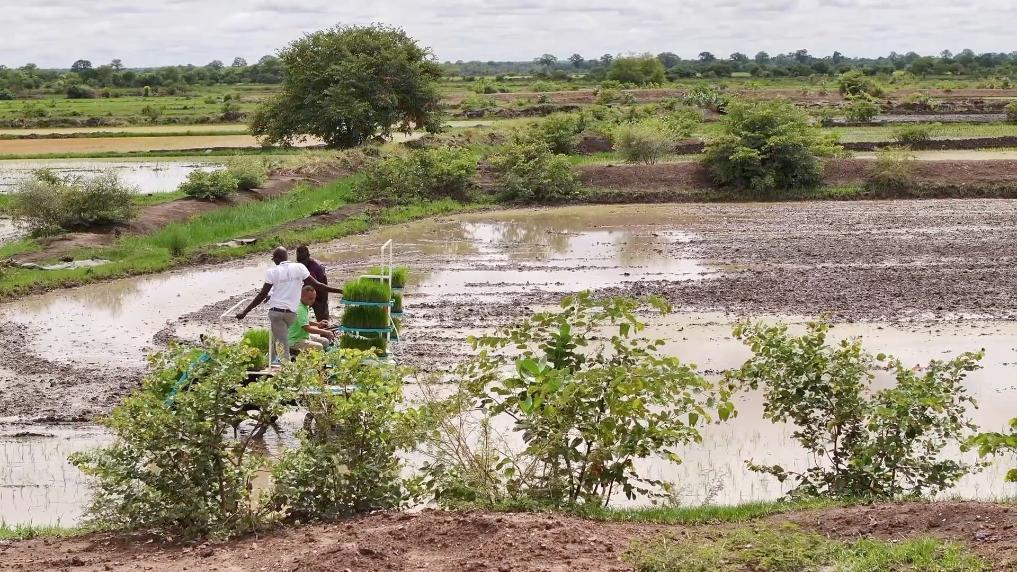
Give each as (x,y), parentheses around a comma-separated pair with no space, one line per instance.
(793,64)
(31,78)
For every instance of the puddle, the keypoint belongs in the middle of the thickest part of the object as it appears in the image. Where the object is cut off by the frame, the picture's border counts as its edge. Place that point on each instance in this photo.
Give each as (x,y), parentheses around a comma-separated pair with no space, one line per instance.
(149,176)
(486,256)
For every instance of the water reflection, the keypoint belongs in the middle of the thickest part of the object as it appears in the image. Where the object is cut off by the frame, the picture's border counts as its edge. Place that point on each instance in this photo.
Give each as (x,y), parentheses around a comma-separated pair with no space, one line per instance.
(148,176)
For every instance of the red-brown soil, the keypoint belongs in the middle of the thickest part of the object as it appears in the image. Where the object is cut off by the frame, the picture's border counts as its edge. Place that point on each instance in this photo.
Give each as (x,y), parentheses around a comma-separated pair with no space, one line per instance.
(528,542)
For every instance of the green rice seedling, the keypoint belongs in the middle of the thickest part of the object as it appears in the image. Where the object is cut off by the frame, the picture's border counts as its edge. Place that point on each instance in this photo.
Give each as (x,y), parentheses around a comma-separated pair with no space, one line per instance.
(365,290)
(367,342)
(397,307)
(398,323)
(399,274)
(365,317)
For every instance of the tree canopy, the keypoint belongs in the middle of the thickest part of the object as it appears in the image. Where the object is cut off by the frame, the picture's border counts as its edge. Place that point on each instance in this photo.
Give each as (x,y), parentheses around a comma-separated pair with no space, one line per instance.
(347,84)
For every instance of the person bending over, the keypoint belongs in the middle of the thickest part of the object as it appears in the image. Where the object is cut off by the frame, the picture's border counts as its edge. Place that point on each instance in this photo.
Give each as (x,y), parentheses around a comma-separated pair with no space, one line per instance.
(306,335)
(282,288)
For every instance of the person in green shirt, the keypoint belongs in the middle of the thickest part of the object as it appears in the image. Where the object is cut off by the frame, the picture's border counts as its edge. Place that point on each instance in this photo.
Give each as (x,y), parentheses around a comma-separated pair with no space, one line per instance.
(305,335)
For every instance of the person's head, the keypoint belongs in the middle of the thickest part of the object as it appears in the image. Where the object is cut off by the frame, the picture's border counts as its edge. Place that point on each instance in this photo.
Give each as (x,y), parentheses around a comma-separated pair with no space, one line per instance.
(279,255)
(303,254)
(308,295)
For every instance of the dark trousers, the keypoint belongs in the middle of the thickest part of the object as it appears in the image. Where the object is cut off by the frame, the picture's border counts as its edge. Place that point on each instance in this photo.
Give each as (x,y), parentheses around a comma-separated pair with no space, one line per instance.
(320,307)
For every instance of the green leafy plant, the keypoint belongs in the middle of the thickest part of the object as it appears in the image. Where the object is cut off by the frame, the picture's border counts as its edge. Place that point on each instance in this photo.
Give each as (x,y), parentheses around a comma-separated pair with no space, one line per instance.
(559,131)
(892,171)
(706,98)
(367,290)
(368,342)
(478,103)
(357,421)
(530,172)
(423,174)
(885,443)
(637,70)
(172,466)
(862,109)
(997,444)
(768,146)
(47,203)
(210,185)
(257,339)
(586,394)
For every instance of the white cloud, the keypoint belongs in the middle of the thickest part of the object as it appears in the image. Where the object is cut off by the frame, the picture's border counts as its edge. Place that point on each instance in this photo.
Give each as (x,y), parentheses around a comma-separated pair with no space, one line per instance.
(198,31)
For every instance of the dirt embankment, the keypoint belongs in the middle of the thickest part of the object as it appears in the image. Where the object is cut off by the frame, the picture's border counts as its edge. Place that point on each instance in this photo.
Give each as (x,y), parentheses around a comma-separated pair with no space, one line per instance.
(1000,175)
(524,542)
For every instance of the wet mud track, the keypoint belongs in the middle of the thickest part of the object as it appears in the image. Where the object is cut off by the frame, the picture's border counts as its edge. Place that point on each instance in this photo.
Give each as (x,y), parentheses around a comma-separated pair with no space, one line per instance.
(879,261)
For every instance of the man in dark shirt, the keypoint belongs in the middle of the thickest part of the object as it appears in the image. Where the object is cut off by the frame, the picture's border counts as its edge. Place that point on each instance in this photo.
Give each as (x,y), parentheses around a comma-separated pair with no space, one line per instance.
(317,271)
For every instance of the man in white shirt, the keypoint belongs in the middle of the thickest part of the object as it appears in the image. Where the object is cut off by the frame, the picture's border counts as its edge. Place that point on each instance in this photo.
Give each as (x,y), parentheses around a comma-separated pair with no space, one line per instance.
(283,284)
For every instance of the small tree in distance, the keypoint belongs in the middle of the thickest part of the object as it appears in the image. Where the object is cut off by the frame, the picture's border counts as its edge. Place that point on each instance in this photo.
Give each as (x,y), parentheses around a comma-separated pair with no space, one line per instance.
(348,84)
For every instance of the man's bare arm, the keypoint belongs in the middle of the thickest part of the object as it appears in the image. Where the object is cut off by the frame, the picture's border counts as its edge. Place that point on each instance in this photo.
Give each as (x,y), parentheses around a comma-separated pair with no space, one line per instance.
(261,297)
(310,281)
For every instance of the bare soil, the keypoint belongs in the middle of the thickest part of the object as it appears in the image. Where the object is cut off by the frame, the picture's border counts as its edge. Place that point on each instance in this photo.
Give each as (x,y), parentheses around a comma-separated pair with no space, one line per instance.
(476,541)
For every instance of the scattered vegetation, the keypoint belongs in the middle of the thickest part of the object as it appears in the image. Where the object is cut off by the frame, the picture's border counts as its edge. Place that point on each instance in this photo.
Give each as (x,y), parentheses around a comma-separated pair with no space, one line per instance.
(425,174)
(856,84)
(642,143)
(250,172)
(913,134)
(47,203)
(886,443)
(638,70)
(892,171)
(530,172)
(862,109)
(1011,112)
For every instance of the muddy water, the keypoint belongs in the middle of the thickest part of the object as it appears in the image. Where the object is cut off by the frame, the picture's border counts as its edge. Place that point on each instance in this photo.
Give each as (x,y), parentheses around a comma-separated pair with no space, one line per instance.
(465,264)
(148,176)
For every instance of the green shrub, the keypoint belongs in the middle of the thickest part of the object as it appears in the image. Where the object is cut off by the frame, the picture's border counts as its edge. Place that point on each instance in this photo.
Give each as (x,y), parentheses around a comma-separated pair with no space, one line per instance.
(865,443)
(81,92)
(546,87)
(642,143)
(347,462)
(638,70)
(530,172)
(767,146)
(485,86)
(424,174)
(210,185)
(893,170)
(607,96)
(367,290)
(912,134)
(682,122)
(1011,112)
(47,203)
(250,172)
(560,132)
(257,339)
(998,444)
(862,110)
(173,466)
(706,98)
(588,396)
(6,94)
(855,84)
(176,241)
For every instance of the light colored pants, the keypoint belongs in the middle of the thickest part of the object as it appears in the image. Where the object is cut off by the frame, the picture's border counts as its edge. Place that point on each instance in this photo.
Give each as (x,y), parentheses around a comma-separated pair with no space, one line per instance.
(279,323)
(313,343)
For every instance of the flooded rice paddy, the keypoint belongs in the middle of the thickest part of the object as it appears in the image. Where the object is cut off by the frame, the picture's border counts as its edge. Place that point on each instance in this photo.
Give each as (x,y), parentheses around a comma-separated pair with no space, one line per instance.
(149,176)
(920,280)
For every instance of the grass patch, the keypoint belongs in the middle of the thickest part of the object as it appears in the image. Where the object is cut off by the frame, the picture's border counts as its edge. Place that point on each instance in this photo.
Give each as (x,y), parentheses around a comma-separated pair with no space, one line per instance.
(709,514)
(367,290)
(30,531)
(787,548)
(884,133)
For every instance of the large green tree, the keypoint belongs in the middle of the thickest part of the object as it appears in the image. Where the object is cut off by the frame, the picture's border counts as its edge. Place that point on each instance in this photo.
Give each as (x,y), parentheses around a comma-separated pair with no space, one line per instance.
(347,84)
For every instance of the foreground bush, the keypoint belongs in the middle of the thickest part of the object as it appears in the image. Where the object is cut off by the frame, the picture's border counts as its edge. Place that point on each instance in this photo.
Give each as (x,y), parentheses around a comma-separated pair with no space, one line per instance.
(768,146)
(769,548)
(892,171)
(173,466)
(999,444)
(347,460)
(530,172)
(588,396)
(210,185)
(424,174)
(47,203)
(865,443)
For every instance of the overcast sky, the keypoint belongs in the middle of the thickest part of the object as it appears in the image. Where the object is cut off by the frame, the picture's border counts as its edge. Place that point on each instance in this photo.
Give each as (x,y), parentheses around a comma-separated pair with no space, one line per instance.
(54,33)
